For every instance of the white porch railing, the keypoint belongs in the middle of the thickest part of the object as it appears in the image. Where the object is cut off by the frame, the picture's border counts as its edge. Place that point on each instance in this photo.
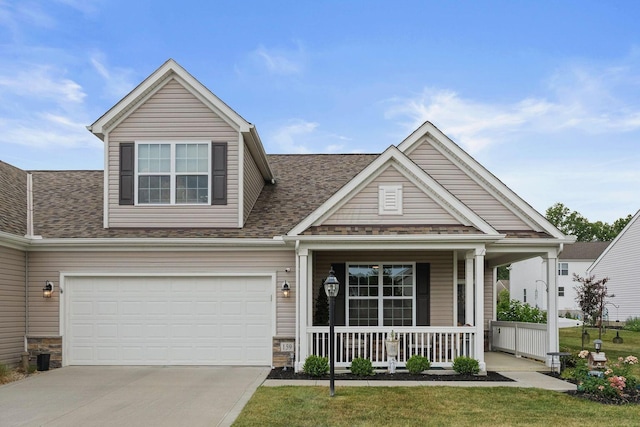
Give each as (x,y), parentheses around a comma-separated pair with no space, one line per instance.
(439,344)
(520,338)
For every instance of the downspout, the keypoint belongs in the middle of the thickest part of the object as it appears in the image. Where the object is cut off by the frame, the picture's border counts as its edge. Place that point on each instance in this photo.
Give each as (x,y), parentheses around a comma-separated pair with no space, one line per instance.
(26,257)
(298,281)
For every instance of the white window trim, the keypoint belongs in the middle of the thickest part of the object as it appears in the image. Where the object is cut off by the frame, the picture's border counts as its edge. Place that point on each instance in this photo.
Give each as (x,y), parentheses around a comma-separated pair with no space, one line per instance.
(561,269)
(380,296)
(172,174)
(390,199)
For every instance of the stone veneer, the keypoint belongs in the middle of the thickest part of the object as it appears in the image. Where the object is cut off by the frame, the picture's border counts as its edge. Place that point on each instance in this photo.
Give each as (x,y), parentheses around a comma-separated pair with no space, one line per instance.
(51,345)
(282,358)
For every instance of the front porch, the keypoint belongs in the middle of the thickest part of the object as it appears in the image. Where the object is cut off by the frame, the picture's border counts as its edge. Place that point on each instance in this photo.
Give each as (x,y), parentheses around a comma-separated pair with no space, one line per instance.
(441,345)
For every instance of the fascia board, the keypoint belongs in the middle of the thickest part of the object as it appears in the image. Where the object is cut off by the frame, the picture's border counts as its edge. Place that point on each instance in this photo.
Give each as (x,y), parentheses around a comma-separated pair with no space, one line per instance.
(12,241)
(156,244)
(476,238)
(387,245)
(517,242)
(462,159)
(257,151)
(131,99)
(614,242)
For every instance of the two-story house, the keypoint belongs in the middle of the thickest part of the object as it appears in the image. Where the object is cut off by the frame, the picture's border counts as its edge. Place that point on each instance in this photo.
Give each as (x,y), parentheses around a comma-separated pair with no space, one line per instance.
(193,246)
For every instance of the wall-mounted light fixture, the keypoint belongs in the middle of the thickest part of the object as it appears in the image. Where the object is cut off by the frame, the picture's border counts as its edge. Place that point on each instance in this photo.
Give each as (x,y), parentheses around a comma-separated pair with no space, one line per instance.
(286,289)
(48,289)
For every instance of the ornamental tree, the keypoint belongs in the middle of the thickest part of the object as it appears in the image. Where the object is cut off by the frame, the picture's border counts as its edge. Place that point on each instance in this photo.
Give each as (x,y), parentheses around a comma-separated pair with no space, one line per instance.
(591,295)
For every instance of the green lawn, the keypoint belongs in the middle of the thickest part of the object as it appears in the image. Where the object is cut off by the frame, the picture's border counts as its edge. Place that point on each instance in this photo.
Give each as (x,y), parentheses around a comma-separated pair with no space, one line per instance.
(427,406)
(444,406)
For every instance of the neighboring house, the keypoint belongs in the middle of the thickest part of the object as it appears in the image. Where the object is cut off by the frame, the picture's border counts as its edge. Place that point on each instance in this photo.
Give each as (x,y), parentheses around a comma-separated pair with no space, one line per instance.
(620,262)
(177,253)
(528,278)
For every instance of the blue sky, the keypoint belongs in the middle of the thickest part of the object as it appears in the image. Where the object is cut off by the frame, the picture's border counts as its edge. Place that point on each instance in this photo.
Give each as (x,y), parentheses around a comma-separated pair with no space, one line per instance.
(545,94)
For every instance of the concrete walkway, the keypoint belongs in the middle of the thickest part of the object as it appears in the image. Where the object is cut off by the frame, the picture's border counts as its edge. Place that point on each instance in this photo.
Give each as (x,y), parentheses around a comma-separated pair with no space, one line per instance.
(521,379)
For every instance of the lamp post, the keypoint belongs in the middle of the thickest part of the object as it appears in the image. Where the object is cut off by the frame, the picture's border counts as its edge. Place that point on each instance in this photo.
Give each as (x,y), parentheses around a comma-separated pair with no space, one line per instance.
(331,288)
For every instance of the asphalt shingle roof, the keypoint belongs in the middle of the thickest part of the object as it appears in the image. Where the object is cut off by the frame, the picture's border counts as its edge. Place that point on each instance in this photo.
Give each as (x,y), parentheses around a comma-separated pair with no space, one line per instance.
(583,250)
(68,204)
(13,200)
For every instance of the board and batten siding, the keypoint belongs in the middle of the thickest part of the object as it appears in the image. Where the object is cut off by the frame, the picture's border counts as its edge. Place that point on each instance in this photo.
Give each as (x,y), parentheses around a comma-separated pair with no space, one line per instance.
(12,305)
(253,182)
(417,207)
(441,271)
(621,265)
(44,313)
(173,114)
(465,188)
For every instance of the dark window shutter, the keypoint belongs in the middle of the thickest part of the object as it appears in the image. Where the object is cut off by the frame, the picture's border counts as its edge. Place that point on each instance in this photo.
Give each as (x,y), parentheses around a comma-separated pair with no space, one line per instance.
(127,159)
(340,313)
(422,294)
(218,173)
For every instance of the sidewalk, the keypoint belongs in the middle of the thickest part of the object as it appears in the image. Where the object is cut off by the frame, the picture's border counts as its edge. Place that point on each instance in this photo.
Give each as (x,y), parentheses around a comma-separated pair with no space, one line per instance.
(524,379)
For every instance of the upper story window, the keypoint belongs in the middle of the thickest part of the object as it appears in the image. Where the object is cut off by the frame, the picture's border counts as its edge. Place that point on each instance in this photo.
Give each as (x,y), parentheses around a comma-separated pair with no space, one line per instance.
(173,173)
(563,269)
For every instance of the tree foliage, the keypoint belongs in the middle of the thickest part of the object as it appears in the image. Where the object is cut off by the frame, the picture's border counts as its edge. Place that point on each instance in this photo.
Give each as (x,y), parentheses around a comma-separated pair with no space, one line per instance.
(591,296)
(573,223)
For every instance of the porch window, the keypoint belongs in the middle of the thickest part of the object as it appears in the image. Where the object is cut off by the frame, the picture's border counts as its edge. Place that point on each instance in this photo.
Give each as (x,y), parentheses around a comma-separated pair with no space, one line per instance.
(381,294)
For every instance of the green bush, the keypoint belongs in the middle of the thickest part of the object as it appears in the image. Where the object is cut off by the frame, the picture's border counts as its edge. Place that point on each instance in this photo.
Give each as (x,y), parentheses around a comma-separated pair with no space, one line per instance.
(361,366)
(4,370)
(515,311)
(416,364)
(611,384)
(466,365)
(632,324)
(316,366)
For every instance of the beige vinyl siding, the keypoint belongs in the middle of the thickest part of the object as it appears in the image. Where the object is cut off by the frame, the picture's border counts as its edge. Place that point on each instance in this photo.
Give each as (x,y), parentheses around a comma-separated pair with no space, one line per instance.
(461,185)
(441,270)
(44,314)
(12,305)
(172,114)
(253,182)
(418,208)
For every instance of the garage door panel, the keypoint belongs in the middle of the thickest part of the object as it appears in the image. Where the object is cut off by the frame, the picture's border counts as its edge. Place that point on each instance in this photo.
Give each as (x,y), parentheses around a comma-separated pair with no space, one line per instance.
(180,321)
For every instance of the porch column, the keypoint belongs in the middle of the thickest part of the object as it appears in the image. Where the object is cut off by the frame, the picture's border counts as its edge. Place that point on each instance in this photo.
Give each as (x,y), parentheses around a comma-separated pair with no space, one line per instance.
(303,292)
(469,317)
(552,305)
(479,313)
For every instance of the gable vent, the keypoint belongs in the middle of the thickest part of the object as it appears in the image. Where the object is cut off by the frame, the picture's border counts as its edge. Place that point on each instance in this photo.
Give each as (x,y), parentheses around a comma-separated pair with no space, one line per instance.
(390,199)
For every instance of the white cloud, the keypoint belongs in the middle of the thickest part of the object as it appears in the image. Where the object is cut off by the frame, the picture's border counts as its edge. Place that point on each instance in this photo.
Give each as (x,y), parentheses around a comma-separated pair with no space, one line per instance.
(288,137)
(118,81)
(580,99)
(280,61)
(42,82)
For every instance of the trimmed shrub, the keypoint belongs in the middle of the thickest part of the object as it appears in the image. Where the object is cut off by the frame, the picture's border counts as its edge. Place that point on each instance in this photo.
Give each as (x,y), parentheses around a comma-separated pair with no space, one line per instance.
(466,365)
(316,366)
(361,366)
(632,324)
(416,364)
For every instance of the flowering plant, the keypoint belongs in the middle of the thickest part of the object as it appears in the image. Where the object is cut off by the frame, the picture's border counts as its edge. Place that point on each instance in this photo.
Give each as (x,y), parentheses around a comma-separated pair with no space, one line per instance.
(614,382)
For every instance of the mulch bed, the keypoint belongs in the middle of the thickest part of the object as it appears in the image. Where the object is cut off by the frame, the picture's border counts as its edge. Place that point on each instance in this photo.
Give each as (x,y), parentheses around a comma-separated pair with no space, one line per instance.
(400,375)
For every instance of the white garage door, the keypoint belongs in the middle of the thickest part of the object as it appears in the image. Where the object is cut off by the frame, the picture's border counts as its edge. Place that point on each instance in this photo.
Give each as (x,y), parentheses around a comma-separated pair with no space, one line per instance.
(168,320)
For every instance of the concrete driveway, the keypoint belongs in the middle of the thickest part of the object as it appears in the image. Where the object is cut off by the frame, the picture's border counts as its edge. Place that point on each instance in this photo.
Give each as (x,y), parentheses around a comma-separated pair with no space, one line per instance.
(130,396)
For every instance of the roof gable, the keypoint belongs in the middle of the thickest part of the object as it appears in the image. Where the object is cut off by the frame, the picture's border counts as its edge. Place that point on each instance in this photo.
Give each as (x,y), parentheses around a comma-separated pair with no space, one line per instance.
(169,71)
(411,172)
(515,205)
(630,235)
